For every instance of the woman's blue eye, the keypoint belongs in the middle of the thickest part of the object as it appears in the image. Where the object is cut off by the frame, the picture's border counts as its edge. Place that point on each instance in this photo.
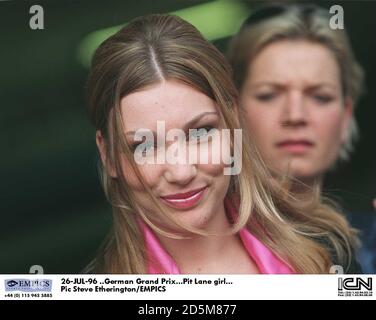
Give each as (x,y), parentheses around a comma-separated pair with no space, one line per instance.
(265,97)
(143,147)
(200,132)
(323,99)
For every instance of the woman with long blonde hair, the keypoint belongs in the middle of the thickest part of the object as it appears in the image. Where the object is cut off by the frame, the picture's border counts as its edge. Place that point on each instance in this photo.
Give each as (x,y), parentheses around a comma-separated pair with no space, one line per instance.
(172,214)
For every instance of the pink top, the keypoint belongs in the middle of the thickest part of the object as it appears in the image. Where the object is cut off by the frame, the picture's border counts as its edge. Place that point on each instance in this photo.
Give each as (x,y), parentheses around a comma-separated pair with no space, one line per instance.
(159,261)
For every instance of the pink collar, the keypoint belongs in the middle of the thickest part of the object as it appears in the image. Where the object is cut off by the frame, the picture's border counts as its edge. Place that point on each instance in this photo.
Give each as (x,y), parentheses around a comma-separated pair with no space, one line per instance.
(160,262)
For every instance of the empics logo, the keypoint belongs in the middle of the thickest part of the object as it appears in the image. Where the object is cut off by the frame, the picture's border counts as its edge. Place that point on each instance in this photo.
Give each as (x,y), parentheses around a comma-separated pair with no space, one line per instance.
(354,286)
(28,285)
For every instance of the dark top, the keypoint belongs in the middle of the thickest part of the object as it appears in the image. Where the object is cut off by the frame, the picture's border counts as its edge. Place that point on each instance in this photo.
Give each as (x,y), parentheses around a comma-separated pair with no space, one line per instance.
(366,224)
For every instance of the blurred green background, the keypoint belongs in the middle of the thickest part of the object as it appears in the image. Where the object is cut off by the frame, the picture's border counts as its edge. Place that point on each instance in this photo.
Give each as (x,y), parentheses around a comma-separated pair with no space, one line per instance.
(53,212)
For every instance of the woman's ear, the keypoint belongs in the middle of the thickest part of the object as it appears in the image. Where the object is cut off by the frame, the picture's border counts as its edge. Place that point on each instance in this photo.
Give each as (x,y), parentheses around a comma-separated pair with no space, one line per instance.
(101,144)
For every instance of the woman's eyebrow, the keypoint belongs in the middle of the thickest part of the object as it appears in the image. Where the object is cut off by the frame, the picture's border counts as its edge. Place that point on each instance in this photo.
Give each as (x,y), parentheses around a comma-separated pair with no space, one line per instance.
(281,85)
(322,85)
(195,119)
(188,125)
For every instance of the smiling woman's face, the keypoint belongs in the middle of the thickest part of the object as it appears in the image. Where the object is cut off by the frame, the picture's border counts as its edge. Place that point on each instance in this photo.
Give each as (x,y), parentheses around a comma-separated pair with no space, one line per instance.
(194,192)
(296,112)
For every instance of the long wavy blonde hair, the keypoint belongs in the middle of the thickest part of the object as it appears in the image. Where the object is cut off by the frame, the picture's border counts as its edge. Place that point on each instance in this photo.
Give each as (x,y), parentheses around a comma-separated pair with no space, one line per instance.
(301,230)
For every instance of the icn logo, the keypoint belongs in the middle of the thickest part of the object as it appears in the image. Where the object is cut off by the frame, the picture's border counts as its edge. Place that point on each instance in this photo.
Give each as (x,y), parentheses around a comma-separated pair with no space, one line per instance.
(354,283)
(355,286)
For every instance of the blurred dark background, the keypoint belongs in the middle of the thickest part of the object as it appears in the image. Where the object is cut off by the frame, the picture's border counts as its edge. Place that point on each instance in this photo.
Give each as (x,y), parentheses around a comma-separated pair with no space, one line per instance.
(53,212)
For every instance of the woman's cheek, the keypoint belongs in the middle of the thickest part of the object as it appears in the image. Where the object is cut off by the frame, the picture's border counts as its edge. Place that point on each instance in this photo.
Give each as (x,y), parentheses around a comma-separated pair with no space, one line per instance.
(149,173)
(215,155)
(152,173)
(328,127)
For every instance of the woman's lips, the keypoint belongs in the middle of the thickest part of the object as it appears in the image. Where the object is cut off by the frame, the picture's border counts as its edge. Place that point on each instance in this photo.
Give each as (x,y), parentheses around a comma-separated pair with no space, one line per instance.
(184,200)
(295,146)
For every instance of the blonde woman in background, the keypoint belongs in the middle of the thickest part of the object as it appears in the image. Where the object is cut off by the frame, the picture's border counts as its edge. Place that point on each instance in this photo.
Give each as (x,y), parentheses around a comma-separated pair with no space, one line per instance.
(299,84)
(190,217)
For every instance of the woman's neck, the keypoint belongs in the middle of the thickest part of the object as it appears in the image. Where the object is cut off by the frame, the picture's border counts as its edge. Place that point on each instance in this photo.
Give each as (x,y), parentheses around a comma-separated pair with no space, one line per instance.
(210,254)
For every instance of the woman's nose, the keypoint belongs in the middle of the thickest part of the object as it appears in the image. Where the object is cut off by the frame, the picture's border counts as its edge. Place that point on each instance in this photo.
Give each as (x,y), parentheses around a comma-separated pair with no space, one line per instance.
(294,111)
(178,169)
(180,173)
